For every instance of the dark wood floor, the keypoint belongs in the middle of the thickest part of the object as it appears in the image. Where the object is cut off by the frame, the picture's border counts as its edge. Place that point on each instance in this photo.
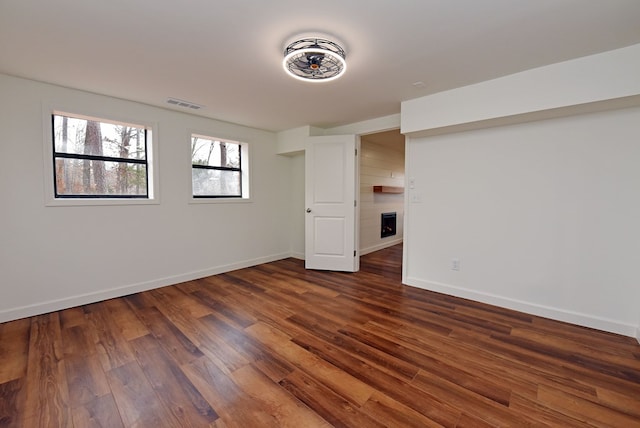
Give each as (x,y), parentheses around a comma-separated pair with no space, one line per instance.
(275,345)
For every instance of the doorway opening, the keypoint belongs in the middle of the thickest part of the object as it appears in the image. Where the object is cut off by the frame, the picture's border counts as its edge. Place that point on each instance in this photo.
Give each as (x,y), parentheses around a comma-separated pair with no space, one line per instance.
(381,176)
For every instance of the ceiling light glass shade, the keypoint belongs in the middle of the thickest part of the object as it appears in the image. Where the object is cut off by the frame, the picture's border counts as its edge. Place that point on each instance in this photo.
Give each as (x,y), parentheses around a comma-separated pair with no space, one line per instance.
(314,60)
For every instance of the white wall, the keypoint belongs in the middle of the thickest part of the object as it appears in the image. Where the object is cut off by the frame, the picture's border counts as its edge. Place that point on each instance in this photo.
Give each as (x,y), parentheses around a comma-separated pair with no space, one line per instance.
(380,165)
(55,257)
(543,216)
(297,206)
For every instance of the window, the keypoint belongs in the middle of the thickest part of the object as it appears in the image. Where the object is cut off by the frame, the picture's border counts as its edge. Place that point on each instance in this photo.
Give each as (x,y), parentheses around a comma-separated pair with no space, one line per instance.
(97,158)
(218,168)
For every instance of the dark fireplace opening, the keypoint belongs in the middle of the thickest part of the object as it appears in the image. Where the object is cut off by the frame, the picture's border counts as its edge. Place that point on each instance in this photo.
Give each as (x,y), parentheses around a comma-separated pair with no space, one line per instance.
(388,225)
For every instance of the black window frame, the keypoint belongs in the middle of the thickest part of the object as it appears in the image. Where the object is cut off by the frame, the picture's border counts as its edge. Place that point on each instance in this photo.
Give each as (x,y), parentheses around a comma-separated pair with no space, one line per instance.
(220,168)
(82,156)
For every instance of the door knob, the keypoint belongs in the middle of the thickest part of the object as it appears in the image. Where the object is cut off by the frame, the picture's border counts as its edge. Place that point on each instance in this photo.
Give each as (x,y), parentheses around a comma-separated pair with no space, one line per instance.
(308,210)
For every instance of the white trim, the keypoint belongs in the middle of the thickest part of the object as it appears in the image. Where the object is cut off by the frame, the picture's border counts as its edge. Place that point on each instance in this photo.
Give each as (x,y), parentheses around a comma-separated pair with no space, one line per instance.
(197,201)
(83,299)
(81,111)
(582,319)
(406,216)
(297,255)
(245,169)
(381,246)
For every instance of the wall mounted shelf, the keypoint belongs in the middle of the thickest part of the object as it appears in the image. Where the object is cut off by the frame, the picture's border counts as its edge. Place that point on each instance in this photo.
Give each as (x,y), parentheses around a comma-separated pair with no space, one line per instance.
(388,189)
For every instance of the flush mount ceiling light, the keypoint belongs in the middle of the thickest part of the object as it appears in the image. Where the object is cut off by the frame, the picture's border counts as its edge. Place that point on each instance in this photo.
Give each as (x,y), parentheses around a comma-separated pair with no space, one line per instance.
(314,60)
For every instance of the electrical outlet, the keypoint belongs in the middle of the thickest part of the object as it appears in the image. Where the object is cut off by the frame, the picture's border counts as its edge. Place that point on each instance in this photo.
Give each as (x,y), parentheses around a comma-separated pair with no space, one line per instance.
(455,264)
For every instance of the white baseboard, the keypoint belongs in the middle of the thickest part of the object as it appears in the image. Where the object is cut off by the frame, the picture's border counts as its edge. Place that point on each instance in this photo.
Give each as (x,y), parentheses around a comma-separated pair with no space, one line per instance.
(84,299)
(363,251)
(585,320)
(381,246)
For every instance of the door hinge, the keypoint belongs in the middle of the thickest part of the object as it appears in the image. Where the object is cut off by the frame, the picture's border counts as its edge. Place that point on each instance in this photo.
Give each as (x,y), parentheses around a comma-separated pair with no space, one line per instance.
(354,253)
(355,203)
(356,152)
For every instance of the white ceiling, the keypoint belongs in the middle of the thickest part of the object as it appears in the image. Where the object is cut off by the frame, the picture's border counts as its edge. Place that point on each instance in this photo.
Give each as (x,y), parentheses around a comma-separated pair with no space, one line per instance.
(226,54)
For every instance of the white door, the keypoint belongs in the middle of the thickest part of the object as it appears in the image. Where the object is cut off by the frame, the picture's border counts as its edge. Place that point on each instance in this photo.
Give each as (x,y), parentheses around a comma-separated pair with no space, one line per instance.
(330,195)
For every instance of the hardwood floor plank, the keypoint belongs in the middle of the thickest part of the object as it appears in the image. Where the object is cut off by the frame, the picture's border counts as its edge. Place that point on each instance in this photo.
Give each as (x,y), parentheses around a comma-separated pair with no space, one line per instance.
(342,383)
(580,349)
(217,347)
(14,349)
(137,403)
(101,412)
(584,410)
(625,369)
(629,404)
(270,364)
(392,413)
(147,306)
(199,334)
(112,347)
(385,346)
(86,379)
(282,406)
(169,335)
(129,325)
(454,367)
(73,317)
(47,392)
(323,401)
(184,300)
(78,340)
(140,300)
(379,312)
(431,407)
(482,367)
(386,362)
(480,407)
(176,392)
(12,403)
(381,381)
(542,413)
(265,307)
(470,421)
(235,277)
(235,314)
(235,408)
(586,335)
(540,368)
(300,286)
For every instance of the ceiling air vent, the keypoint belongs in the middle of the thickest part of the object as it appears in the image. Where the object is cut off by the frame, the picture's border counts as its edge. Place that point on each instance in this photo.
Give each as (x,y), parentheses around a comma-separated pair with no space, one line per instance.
(184,104)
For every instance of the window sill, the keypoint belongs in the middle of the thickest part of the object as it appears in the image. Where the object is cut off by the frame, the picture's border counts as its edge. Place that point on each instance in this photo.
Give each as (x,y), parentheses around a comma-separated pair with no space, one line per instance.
(197,201)
(72,202)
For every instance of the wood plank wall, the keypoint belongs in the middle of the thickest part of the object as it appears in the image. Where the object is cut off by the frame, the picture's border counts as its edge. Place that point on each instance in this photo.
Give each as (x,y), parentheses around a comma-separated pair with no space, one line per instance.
(377,165)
